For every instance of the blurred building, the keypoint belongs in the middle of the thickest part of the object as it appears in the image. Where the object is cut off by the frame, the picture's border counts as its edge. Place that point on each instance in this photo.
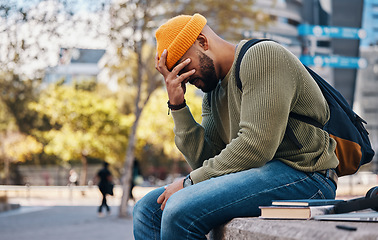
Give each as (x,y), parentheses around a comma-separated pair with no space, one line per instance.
(326,35)
(366,97)
(286,16)
(366,104)
(334,41)
(75,64)
(318,32)
(51,175)
(370,23)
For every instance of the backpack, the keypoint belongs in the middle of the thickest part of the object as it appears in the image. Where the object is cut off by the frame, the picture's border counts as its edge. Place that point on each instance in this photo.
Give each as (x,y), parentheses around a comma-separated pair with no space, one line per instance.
(353,147)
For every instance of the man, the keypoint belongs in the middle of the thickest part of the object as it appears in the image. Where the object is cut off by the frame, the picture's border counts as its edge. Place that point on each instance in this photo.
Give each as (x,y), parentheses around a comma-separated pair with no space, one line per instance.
(105,186)
(240,155)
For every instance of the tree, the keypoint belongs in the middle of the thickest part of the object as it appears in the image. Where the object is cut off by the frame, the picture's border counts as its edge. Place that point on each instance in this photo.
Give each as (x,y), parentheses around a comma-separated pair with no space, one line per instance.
(133,23)
(83,125)
(31,35)
(156,126)
(26,34)
(17,147)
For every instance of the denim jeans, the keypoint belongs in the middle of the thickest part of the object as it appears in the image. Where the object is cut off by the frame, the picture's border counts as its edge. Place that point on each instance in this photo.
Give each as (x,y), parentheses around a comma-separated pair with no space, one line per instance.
(193,211)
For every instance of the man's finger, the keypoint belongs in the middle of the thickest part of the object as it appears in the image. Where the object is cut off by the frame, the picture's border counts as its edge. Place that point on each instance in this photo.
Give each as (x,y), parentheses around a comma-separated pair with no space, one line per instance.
(183,77)
(162,67)
(157,61)
(163,204)
(161,198)
(176,70)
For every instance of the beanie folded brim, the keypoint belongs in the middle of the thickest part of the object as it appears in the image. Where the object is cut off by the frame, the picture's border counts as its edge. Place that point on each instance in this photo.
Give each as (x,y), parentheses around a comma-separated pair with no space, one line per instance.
(178,45)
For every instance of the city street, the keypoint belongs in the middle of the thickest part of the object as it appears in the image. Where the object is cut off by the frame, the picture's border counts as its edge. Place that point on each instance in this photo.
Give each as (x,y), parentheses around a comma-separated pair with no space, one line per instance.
(61,212)
(55,213)
(62,223)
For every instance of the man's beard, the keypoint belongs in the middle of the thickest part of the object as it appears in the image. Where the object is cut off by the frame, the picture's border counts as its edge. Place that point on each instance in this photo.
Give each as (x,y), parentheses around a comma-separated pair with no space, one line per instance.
(209,77)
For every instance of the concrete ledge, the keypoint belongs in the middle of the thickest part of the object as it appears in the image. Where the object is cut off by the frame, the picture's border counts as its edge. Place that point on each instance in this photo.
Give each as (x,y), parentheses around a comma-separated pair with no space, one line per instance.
(7,206)
(256,228)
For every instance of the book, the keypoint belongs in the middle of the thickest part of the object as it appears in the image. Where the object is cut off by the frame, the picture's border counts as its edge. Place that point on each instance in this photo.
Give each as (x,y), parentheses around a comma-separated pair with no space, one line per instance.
(294,212)
(354,216)
(306,202)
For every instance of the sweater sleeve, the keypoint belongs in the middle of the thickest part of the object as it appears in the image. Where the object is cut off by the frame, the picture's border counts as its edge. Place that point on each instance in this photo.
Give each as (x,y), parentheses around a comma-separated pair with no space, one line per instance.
(197,142)
(269,92)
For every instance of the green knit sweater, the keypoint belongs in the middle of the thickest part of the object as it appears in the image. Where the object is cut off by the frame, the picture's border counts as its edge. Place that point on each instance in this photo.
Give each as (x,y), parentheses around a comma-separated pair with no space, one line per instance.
(246,129)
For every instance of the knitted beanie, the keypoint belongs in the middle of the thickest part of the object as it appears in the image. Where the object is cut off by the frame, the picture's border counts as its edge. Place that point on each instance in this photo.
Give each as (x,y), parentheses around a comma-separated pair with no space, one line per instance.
(178,35)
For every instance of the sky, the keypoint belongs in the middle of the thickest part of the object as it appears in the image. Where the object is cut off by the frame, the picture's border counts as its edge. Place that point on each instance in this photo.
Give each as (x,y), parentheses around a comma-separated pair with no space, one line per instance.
(32,34)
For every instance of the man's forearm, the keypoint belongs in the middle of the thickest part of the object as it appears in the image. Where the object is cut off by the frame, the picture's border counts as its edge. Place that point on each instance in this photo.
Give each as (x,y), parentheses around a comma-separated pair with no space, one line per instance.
(190,138)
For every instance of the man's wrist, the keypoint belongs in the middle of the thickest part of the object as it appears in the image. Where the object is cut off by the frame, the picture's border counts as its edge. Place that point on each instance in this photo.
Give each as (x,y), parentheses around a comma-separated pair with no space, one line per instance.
(176,106)
(187,181)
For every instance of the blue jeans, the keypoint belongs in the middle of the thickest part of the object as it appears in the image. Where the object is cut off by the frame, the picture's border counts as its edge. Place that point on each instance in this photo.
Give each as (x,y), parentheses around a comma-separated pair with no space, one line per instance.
(193,211)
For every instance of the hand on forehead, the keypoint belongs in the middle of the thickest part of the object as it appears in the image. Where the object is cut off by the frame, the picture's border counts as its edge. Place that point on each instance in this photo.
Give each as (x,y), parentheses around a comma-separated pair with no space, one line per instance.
(177,35)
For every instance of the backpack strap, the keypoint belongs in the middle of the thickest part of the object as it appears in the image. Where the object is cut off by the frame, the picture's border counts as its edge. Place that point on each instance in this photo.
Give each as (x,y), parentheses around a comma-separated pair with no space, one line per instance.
(242,52)
(306,119)
(209,98)
(290,134)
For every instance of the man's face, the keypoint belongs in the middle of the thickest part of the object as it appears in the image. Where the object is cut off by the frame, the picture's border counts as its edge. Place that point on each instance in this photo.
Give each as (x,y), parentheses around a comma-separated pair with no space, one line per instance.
(205,77)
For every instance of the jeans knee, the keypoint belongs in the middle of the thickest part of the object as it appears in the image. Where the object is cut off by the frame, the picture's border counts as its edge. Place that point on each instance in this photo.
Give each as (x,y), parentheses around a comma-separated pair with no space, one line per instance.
(138,213)
(147,210)
(176,211)
(141,210)
(181,221)
(144,226)
(172,213)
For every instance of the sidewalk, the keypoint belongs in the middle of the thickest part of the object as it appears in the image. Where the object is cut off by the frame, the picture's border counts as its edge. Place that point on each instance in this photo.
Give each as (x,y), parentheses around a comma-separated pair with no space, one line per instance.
(63,213)
(60,216)
(62,223)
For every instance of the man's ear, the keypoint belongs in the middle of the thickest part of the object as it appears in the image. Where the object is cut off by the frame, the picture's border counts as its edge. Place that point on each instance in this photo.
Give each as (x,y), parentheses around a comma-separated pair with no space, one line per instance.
(203,42)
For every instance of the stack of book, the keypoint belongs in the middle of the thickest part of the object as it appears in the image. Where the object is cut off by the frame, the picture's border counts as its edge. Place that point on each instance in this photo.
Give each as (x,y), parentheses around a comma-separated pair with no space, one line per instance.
(298,209)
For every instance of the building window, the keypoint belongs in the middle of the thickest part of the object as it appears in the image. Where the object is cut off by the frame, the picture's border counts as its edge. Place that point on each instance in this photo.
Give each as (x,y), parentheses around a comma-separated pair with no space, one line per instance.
(325,43)
(370,94)
(293,22)
(371,110)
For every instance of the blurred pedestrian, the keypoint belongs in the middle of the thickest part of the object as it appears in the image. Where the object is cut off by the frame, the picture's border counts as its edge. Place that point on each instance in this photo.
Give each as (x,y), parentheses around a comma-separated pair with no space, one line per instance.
(105,186)
(73,177)
(136,178)
(46,177)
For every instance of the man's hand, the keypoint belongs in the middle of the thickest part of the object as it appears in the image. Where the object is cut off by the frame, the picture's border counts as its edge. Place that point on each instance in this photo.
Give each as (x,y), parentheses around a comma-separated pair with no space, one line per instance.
(175,83)
(169,190)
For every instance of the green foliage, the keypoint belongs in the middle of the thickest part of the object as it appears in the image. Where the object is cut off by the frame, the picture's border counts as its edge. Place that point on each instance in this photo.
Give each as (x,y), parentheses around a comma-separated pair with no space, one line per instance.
(156,126)
(83,124)
(18,147)
(15,95)
(70,121)
(227,17)
(6,121)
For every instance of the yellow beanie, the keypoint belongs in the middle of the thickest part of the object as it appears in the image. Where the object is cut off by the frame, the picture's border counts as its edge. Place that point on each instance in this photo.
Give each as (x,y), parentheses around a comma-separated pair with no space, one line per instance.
(178,35)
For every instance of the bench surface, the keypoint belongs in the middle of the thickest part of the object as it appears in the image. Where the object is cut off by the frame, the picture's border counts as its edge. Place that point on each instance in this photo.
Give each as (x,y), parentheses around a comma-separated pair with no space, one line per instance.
(257,228)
